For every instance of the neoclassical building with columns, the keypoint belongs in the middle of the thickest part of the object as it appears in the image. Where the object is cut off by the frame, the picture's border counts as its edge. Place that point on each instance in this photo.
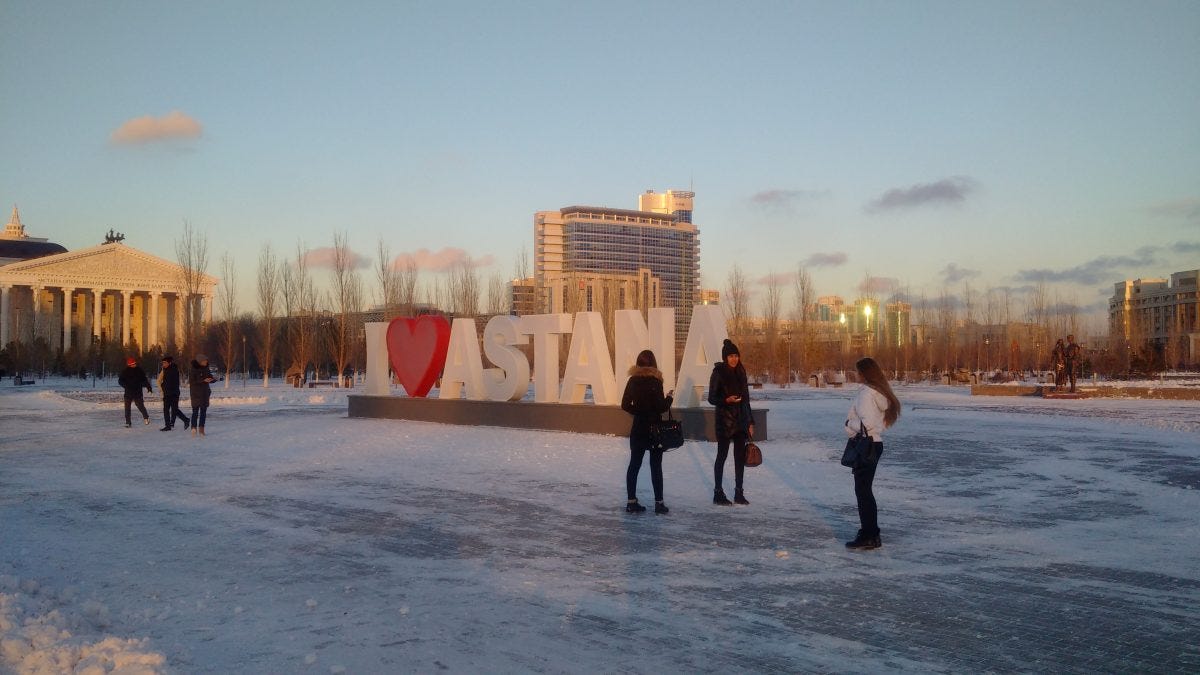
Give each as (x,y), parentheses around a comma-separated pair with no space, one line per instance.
(108,292)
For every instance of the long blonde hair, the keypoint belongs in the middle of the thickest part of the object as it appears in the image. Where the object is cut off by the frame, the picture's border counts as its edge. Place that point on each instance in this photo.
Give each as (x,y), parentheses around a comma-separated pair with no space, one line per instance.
(874,378)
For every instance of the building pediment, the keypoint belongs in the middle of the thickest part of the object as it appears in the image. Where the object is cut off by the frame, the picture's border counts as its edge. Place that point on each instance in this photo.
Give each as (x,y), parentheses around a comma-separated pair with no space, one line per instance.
(109,266)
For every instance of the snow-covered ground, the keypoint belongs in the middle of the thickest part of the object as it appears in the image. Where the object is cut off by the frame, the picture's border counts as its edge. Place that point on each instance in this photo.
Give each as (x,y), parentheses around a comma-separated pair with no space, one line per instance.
(1020,534)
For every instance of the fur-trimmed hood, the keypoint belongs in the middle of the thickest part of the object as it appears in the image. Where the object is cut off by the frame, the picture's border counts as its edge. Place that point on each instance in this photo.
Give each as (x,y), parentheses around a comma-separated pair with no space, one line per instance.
(645,371)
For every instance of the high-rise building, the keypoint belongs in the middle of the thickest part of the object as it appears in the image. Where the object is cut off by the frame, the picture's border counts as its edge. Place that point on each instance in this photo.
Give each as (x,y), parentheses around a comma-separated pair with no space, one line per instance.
(590,258)
(1166,314)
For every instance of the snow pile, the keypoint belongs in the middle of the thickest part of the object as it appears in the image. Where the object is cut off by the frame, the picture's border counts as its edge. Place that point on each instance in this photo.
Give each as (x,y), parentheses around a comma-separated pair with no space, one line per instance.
(38,635)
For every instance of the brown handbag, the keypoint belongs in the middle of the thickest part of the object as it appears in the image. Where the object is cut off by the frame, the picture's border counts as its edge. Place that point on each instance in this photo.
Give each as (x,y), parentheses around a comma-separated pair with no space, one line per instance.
(753,454)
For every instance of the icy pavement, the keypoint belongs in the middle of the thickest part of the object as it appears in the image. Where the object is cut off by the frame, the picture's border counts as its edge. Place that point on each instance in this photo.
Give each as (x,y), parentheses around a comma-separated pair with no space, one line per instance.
(1019,535)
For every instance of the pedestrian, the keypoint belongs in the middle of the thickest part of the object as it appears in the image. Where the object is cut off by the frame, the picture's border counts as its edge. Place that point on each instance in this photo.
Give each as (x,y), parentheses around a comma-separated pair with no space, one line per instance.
(168,384)
(198,381)
(1073,360)
(133,380)
(729,391)
(644,399)
(875,409)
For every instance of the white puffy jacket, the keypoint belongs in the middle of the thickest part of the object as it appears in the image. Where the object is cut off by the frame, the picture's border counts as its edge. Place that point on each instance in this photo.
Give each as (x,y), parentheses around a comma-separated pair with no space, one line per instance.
(869,407)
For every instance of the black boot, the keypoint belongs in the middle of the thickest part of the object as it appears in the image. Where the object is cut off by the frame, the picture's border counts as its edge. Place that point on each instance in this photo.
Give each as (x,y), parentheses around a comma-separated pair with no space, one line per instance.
(661,508)
(739,498)
(720,499)
(863,542)
(634,507)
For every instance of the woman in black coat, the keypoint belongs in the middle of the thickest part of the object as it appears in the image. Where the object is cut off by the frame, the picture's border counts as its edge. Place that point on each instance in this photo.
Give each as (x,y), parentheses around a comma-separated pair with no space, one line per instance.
(168,384)
(133,380)
(644,399)
(729,391)
(198,382)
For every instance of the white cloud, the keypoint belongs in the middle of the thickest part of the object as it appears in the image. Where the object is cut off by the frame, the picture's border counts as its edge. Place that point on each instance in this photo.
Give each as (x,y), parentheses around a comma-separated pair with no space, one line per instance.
(149,129)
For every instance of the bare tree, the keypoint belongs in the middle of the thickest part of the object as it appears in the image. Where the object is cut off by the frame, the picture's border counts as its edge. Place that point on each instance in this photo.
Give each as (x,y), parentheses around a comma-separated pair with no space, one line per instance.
(228,303)
(191,252)
(772,307)
(300,305)
(406,288)
(804,298)
(521,268)
(268,307)
(497,295)
(464,288)
(389,282)
(347,302)
(738,297)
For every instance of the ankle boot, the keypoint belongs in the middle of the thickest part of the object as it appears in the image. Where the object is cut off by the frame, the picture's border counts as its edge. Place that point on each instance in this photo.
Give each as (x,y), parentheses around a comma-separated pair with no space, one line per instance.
(661,508)
(739,498)
(634,507)
(720,499)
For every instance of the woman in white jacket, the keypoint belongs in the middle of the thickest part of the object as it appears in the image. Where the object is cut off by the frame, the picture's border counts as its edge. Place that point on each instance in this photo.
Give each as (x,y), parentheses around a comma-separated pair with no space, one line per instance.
(875,408)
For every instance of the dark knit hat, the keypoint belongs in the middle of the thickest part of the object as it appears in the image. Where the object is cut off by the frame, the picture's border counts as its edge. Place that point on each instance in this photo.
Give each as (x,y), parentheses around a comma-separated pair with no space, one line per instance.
(168,358)
(729,348)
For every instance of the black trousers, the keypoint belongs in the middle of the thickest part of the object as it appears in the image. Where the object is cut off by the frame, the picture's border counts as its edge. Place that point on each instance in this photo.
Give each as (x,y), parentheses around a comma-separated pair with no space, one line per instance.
(199,413)
(171,411)
(141,406)
(868,511)
(636,455)
(739,460)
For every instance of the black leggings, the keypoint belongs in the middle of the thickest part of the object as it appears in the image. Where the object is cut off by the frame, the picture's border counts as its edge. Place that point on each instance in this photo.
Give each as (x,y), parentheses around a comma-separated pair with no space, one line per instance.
(635,465)
(739,461)
(199,412)
(868,511)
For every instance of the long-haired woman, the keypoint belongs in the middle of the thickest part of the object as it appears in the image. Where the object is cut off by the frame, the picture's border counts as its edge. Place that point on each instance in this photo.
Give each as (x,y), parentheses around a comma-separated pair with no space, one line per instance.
(644,399)
(875,409)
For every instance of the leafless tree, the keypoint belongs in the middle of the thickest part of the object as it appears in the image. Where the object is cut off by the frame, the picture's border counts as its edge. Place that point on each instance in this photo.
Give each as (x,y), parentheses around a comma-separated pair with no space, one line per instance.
(464,288)
(804,298)
(407,287)
(191,252)
(946,316)
(300,303)
(389,282)
(269,282)
(738,296)
(772,308)
(497,295)
(228,303)
(521,268)
(347,302)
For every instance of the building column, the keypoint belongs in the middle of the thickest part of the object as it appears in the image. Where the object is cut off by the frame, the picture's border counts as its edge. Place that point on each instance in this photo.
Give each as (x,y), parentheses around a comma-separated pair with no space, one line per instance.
(152,337)
(180,308)
(5,310)
(36,304)
(126,301)
(66,336)
(97,311)
(209,301)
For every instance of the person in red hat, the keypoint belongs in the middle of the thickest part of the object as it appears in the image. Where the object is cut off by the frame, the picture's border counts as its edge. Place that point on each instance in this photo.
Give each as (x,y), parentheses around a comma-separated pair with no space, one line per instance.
(133,379)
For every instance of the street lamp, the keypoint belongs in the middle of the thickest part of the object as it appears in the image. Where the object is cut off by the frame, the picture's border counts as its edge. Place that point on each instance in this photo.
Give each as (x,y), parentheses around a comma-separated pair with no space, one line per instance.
(245,366)
(842,351)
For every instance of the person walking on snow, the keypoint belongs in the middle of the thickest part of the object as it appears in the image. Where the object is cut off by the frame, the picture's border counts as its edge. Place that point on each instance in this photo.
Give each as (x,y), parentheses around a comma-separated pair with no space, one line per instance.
(644,399)
(168,384)
(198,381)
(133,379)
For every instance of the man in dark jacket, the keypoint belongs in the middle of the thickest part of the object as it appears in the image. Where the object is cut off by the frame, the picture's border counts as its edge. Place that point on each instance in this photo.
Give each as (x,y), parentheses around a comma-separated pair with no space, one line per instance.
(133,379)
(1074,360)
(168,384)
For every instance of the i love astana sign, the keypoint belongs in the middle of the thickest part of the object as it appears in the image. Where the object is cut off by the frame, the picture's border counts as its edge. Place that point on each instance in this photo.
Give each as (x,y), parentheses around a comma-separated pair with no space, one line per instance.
(421,349)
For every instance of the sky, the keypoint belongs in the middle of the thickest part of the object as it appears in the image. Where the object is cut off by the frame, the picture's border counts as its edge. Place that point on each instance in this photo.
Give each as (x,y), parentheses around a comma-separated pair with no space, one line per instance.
(911,147)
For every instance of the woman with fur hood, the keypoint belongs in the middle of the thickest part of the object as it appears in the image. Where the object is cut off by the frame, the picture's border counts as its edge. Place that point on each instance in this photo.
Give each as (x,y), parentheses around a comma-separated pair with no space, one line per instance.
(644,399)
(198,381)
(729,391)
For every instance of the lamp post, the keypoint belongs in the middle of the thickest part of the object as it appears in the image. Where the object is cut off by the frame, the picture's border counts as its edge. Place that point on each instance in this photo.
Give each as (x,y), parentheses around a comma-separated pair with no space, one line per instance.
(245,366)
(842,351)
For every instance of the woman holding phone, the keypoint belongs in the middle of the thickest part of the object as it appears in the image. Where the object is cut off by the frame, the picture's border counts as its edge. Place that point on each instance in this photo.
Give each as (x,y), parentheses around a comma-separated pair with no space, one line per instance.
(729,391)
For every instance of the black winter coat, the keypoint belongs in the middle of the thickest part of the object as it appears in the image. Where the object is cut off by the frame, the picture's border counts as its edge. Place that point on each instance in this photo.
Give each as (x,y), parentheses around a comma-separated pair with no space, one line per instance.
(731,419)
(170,381)
(198,387)
(644,399)
(133,380)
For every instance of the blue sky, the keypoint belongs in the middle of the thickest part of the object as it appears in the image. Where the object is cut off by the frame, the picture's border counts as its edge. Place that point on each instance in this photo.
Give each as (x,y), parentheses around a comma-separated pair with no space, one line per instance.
(925,143)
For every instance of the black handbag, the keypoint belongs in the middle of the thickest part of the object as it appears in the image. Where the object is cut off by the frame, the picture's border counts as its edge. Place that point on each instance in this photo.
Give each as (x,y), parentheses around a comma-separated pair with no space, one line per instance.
(666,434)
(860,449)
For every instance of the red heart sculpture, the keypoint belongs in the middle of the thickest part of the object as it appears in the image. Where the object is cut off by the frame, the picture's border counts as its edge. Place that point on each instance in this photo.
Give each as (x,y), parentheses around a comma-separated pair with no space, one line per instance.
(417,351)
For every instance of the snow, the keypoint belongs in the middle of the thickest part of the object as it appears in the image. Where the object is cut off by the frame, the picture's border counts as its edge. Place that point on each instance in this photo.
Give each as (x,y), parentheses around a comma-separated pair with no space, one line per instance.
(294,539)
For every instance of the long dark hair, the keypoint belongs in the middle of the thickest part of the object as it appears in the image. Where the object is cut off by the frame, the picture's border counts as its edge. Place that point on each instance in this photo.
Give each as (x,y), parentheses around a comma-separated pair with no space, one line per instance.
(874,378)
(646,359)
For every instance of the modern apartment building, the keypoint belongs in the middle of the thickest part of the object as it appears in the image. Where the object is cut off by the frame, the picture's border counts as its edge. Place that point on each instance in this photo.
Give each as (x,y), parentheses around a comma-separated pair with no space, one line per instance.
(1157,311)
(591,258)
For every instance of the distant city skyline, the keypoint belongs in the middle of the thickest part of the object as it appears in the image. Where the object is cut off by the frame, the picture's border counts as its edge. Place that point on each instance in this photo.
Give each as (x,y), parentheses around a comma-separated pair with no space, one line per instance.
(913,147)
